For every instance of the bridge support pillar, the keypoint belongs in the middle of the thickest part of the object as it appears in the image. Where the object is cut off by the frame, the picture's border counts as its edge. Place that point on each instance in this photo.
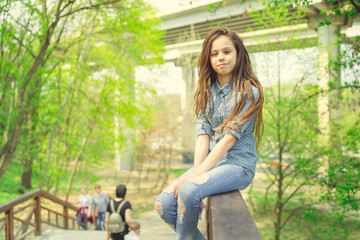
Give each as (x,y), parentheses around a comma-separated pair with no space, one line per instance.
(328,100)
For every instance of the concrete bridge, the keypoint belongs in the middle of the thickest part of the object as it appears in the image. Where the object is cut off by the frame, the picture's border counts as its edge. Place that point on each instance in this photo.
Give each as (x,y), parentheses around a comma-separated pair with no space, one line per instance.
(187,23)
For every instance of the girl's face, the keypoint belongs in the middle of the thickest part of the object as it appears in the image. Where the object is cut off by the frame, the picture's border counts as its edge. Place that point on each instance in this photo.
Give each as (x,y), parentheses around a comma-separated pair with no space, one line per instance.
(223,58)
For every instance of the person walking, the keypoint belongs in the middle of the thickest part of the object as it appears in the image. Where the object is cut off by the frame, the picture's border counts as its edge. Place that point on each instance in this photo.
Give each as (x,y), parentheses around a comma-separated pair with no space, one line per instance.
(99,206)
(83,214)
(116,207)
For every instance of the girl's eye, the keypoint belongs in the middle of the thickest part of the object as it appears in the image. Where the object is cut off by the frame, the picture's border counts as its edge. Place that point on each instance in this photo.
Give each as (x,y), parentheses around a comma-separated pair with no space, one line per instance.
(213,54)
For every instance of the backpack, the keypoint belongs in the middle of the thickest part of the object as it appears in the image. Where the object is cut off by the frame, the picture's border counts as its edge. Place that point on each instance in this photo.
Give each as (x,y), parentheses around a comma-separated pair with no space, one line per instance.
(116,224)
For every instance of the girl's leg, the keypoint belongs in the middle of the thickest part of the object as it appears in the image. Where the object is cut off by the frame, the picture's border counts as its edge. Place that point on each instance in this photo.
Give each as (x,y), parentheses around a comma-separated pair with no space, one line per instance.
(166,203)
(167,206)
(220,179)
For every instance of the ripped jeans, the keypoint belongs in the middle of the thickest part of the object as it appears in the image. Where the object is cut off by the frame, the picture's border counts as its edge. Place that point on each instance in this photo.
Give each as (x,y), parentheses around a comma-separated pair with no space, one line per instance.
(182,214)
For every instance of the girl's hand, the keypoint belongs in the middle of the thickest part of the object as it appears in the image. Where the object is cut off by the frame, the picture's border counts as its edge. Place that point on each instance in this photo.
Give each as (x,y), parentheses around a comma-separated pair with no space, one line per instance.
(177,187)
(181,182)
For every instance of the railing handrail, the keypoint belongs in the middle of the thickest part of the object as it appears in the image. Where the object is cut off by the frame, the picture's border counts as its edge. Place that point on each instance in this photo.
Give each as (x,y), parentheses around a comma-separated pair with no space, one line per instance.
(23,198)
(58,200)
(35,193)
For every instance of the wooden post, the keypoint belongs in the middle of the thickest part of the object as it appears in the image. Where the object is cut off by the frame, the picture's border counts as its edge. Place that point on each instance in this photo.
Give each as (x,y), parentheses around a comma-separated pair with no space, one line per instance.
(66,217)
(10,224)
(37,215)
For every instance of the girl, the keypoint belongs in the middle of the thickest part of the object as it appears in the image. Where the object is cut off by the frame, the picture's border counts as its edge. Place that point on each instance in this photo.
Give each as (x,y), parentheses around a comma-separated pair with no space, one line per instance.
(84,212)
(228,107)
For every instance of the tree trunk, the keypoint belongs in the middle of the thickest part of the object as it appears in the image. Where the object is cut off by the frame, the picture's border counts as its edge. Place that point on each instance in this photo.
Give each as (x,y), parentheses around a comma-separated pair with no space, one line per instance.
(27,174)
(9,147)
(279,206)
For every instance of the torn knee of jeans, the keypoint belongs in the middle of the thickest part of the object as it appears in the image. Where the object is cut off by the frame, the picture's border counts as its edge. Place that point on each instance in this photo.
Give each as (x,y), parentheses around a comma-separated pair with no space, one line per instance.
(158,207)
(203,178)
(181,209)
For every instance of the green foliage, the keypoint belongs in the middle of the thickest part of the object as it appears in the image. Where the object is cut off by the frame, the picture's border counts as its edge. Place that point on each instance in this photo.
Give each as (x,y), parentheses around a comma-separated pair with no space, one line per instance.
(66,81)
(178,172)
(342,179)
(10,184)
(310,222)
(337,9)
(288,3)
(215,6)
(292,155)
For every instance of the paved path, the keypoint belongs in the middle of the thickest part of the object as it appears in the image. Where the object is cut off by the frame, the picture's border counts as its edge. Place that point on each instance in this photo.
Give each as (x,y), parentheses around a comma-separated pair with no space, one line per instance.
(152,228)
(71,235)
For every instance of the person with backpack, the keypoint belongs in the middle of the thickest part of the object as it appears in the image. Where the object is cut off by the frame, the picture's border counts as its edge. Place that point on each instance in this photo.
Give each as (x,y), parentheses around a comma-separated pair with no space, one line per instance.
(118,215)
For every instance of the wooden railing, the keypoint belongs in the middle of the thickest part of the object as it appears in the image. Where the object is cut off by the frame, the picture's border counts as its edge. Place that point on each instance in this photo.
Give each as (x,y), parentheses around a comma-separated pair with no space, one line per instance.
(229,218)
(18,225)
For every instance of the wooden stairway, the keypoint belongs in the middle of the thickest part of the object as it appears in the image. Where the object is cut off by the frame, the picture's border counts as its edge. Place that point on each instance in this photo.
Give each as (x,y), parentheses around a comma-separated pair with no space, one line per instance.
(26,214)
(71,234)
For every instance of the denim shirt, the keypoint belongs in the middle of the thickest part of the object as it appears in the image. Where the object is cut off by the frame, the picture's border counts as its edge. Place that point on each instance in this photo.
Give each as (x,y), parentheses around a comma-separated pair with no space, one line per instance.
(243,152)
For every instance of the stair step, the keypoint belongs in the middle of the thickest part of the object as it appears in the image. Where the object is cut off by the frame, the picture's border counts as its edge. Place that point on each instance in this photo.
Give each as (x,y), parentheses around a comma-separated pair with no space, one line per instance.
(71,234)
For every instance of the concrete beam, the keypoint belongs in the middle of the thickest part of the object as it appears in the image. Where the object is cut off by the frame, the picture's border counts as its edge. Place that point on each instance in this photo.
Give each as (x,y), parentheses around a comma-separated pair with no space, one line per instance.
(250,39)
(201,14)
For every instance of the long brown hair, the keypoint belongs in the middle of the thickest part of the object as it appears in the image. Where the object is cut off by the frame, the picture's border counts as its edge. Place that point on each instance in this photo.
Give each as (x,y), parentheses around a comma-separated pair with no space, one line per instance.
(243,76)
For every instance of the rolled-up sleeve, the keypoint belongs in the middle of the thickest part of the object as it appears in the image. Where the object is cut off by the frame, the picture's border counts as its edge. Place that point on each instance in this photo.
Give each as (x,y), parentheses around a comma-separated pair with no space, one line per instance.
(249,125)
(203,126)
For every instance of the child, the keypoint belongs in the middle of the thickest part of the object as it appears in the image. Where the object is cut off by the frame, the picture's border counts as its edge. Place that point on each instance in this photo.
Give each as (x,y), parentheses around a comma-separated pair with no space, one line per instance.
(83,214)
(134,231)
(228,107)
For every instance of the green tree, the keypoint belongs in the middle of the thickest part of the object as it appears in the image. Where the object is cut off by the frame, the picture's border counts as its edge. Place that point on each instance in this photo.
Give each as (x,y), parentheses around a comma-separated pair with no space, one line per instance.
(341,178)
(291,154)
(350,57)
(68,69)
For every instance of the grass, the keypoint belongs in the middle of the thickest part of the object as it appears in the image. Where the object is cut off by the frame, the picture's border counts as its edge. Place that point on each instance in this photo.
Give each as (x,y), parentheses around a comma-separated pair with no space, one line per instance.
(10,183)
(178,172)
(316,221)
